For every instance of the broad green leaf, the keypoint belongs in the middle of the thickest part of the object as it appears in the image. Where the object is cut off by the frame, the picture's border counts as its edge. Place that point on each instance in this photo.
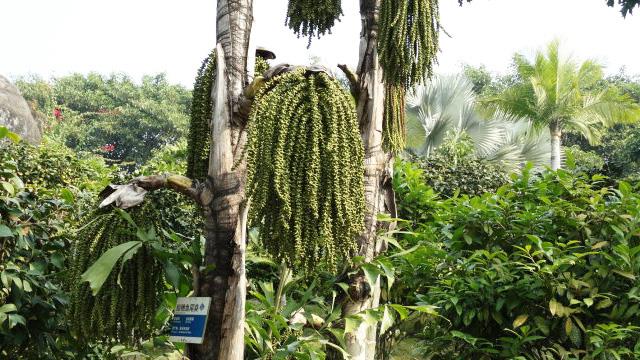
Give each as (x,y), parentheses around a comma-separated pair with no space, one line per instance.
(519,321)
(125,215)
(599,245)
(6,308)
(387,320)
(173,274)
(5,231)
(554,307)
(351,324)
(15,319)
(628,275)
(605,303)
(67,196)
(97,274)
(387,266)
(57,259)
(8,187)
(401,310)
(371,272)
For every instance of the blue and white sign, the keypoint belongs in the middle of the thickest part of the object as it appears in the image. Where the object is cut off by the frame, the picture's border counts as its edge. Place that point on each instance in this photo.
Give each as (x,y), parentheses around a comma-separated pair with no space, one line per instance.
(190,320)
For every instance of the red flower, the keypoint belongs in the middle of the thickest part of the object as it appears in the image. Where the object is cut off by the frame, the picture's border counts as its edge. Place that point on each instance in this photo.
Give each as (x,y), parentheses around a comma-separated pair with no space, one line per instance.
(108,147)
(57,112)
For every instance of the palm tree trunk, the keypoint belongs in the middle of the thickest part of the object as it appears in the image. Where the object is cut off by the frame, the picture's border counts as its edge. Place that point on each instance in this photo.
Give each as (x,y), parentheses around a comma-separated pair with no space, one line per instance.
(224,203)
(556,133)
(361,344)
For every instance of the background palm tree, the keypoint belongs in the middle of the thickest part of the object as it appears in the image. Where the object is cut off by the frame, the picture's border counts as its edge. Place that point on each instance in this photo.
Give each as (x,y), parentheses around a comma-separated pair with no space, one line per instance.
(444,109)
(559,94)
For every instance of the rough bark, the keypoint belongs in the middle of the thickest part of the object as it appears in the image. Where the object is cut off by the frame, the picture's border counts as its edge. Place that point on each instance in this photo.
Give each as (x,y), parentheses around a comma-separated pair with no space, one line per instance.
(378,193)
(556,134)
(223,199)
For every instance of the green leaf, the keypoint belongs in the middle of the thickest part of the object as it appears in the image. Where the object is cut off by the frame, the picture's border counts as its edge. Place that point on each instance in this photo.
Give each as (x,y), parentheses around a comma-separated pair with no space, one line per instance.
(519,321)
(401,310)
(628,275)
(57,259)
(5,133)
(125,215)
(15,319)
(67,196)
(7,308)
(387,266)
(371,272)
(387,320)
(8,187)
(173,274)
(555,307)
(351,324)
(5,231)
(97,274)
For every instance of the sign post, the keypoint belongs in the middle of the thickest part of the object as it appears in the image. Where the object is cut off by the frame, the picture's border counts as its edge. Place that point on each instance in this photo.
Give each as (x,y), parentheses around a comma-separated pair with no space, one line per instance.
(190,320)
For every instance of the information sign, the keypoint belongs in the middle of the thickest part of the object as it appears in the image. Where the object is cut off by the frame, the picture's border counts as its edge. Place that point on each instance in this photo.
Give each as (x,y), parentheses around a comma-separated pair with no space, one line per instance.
(190,320)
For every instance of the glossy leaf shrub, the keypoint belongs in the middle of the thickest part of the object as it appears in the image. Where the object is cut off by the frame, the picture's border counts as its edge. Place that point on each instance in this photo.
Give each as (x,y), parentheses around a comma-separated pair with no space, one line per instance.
(40,189)
(546,267)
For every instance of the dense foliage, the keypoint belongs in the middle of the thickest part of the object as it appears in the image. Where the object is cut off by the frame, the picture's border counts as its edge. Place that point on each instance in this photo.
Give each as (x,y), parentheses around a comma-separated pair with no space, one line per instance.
(111,115)
(450,172)
(42,194)
(305,166)
(547,267)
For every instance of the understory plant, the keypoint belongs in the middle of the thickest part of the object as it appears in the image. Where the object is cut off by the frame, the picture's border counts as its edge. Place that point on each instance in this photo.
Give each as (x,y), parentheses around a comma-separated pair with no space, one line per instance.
(545,267)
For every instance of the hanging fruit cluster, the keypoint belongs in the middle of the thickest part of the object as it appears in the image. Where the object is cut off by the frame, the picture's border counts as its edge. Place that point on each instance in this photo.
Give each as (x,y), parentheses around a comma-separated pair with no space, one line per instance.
(313,18)
(124,308)
(394,125)
(199,141)
(261,67)
(305,170)
(407,46)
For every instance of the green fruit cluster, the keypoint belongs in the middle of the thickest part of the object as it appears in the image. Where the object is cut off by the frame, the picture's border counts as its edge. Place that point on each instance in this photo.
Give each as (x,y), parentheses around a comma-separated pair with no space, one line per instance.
(407,46)
(261,67)
(124,309)
(305,170)
(313,18)
(394,125)
(199,131)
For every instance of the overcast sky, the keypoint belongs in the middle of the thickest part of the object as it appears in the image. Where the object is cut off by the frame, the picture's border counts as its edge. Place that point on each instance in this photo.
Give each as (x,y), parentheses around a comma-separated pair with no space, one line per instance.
(54,38)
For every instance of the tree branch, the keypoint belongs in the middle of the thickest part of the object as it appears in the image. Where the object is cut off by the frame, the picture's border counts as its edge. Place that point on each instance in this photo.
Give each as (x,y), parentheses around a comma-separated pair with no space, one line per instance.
(133,194)
(179,183)
(352,77)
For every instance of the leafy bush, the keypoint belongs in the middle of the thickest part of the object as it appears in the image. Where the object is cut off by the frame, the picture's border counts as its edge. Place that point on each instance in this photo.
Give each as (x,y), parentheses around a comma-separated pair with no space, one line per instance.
(39,193)
(454,169)
(547,267)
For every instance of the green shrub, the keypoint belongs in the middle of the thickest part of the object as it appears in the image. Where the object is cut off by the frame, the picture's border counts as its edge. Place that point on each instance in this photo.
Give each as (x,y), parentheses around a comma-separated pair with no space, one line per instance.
(454,169)
(547,267)
(38,194)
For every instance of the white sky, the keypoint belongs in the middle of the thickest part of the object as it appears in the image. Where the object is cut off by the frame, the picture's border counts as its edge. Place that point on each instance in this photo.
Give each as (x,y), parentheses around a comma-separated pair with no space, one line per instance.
(54,38)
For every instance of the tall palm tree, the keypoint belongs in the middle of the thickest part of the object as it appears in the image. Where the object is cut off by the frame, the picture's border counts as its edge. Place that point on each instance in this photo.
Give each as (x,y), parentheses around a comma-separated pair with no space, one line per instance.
(445,109)
(559,94)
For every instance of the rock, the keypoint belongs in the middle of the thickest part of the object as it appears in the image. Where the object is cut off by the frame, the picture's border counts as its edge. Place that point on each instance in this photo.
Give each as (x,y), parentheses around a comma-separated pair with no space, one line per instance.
(16,115)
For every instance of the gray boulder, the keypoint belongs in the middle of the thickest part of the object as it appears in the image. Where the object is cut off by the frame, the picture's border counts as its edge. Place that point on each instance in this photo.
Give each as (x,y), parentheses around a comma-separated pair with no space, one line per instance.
(16,115)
